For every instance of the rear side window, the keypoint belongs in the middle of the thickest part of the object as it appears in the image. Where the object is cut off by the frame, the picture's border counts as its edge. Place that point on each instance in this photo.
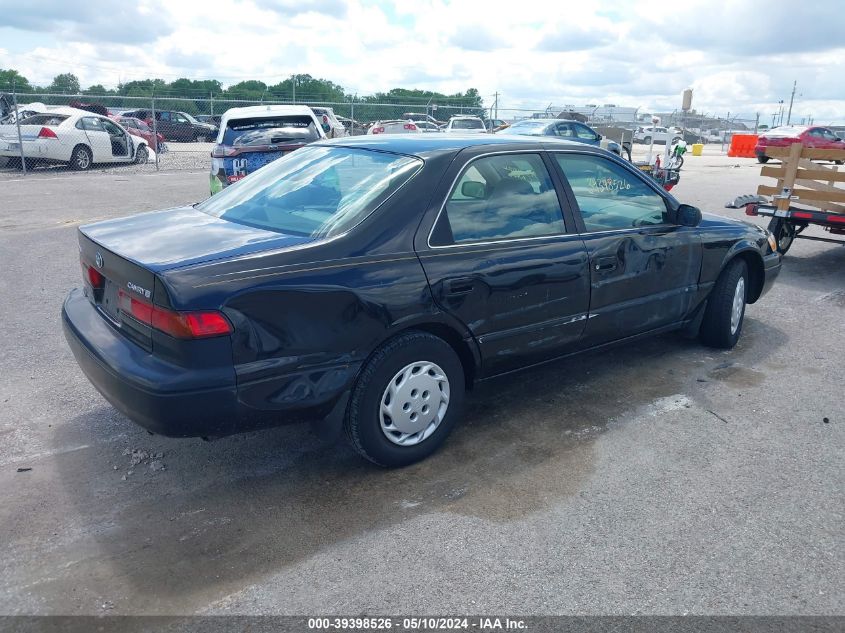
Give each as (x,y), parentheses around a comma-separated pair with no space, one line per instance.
(90,124)
(50,120)
(500,197)
(314,191)
(270,130)
(609,196)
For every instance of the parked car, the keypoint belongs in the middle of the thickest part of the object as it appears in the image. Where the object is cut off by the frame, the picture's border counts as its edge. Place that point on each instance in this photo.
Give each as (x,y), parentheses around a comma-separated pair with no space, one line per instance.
(561,128)
(332,127)
(394,127)
(465,125)
(255,136)
(212,119)
(815,136)
(74,137)
(176,126)
(427,126)
(353,128)
(367,283)
(659,134)
(495,124)
(138,127)
(421,116)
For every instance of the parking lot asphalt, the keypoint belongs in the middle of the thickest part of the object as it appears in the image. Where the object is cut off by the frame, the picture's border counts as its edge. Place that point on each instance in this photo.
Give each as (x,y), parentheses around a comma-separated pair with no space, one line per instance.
(658,478)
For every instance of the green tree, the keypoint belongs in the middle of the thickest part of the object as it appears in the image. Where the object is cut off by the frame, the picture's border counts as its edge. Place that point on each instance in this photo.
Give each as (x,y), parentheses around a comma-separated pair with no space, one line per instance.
(66,83)
(12,78)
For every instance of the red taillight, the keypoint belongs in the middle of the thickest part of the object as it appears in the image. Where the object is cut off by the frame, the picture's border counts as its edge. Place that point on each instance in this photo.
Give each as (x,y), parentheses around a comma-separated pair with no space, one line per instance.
(410,126)
(222,151)
(201,324)
(47,133)
(92,276)
(840,219)
(325,119)
(802,215)
(378,130)
(751,209)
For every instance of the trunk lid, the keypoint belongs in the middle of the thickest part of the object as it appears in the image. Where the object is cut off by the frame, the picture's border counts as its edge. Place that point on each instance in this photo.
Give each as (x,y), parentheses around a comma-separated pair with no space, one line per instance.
(184,236)
(127,255)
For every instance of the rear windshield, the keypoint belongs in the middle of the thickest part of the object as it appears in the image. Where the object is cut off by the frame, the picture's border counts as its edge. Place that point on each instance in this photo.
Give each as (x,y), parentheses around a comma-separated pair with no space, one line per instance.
(536,127)
(44,119)
(467,124)
(269,131)
(315,191)
(785,131)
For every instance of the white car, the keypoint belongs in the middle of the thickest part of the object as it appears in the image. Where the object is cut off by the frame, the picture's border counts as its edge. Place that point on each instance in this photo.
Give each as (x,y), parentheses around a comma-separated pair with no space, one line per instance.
(331,125)
(397,126)
(427,126)
(73,137)
(465,125)
(659,134)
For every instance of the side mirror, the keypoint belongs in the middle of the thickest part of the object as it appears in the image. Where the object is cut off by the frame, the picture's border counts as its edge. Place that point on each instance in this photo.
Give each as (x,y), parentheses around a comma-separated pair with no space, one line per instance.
(688,215)
(473,189)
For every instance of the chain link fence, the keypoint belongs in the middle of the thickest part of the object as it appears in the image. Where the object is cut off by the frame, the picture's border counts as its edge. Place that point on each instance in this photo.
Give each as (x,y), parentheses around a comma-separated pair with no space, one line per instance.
(40,132)
(54,132)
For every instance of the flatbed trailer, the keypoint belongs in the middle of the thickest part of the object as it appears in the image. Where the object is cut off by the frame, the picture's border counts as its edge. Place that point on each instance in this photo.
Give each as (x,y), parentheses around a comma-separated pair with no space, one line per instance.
(800,182)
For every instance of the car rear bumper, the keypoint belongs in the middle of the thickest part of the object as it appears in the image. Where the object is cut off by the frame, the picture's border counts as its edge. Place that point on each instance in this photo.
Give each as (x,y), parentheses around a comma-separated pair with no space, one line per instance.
(161,397)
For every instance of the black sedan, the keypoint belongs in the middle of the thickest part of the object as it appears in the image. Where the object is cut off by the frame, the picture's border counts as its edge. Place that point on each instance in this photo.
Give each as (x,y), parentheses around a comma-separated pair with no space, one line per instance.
(368,282)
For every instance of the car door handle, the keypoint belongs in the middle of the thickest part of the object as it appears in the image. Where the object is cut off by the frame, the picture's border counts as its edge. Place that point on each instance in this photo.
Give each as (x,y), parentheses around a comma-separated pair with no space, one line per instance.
(606,264)
(459,286)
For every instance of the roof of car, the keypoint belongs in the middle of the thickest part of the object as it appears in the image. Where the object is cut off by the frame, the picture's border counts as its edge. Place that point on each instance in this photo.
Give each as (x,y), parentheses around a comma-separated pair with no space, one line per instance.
(419,144)
(251,111)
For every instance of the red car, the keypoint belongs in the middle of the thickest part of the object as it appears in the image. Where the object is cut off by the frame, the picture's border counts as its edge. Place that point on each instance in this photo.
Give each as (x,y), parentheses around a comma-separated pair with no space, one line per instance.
(138,127)
(818,137)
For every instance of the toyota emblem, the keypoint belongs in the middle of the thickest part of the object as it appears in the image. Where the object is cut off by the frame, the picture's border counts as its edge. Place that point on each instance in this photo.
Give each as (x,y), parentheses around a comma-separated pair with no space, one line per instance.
(98,259)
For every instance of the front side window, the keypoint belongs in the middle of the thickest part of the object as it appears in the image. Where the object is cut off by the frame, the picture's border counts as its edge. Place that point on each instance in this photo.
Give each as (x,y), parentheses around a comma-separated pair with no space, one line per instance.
(584,133)
(500,197)
(609,196)
(314,191)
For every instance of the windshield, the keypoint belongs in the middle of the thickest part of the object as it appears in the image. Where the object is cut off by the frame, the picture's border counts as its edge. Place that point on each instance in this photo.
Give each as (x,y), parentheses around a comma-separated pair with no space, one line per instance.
(315,191)
(467,124)
(270,130)
(785,131)
(189,117)
(528,128)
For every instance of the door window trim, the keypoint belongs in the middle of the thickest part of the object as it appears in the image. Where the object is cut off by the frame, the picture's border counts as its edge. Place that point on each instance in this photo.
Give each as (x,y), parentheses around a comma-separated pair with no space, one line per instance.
(576,208)
(505,240)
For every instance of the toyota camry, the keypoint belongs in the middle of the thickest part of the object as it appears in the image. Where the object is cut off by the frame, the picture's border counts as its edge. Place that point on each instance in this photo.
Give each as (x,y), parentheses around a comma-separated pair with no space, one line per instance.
(368,282)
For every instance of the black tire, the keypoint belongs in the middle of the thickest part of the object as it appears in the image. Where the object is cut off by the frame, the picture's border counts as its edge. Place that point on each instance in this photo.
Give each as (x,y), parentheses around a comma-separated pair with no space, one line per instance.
(142,155)
(201,138)
(716,329)
(80,158)
(647,140)
(838,162)
(363,424)
(784,233)
(762,159)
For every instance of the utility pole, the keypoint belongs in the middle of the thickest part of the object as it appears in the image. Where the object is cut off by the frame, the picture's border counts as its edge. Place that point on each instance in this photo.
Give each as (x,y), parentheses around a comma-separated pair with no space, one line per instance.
(757,123)
(496,105)
(791,99)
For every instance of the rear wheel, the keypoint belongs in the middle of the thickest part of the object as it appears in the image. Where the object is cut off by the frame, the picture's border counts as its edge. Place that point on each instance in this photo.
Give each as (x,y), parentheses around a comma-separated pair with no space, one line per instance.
(406,401)
(725,311)
(80,158)
(142,155)
(647,140)
(201,138)
(762,159)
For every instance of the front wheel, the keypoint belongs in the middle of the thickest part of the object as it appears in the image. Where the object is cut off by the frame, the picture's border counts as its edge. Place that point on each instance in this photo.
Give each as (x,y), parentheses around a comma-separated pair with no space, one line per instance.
(407,399)
(725,311)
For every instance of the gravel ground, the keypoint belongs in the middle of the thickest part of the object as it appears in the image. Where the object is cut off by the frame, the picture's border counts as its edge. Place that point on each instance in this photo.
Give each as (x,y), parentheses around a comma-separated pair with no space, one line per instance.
(658,478)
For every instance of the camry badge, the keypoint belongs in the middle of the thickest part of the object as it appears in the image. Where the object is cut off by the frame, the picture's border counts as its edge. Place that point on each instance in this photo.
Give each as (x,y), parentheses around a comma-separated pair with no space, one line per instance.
(98,259)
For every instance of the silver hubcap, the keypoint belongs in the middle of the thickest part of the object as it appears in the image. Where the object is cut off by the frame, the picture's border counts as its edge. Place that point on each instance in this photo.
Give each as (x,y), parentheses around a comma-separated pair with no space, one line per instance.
(82,159)
(739,303)
(414,403)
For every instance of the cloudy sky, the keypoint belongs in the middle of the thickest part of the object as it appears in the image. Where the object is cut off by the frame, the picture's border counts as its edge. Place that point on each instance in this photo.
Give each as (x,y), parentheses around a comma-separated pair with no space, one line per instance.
(739,57)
